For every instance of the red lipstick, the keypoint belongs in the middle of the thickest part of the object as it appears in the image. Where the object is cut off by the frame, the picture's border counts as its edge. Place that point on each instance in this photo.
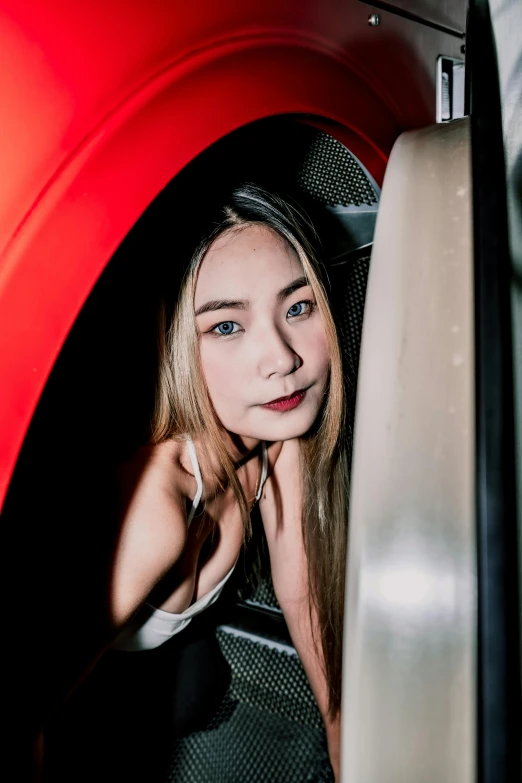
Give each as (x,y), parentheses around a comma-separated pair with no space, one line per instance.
(286,403)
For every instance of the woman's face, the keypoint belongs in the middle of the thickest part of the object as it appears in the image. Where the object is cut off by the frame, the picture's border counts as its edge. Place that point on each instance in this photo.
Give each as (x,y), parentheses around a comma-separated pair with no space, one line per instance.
(263,344)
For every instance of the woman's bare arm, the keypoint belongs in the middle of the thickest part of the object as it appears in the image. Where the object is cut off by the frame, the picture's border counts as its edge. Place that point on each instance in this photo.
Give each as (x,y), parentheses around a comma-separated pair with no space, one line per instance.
(280,507)
(153,530)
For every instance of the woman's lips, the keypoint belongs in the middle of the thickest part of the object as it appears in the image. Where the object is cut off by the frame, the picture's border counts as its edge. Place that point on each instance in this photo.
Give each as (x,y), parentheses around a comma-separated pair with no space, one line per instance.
(286,403)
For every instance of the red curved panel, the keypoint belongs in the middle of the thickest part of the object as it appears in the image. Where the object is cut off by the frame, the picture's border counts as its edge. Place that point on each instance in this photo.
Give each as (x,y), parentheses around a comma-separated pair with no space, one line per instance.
(102,104)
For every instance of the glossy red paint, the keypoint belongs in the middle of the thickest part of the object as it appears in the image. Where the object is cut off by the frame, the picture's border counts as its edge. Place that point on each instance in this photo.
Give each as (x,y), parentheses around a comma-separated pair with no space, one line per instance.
(103,103)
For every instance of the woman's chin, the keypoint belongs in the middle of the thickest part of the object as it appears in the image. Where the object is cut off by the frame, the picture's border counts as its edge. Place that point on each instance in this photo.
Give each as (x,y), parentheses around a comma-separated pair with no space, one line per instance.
(284,426)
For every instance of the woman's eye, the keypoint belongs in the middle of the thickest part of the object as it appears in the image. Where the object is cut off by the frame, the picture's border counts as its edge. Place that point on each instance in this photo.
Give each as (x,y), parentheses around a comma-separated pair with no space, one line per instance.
(226,327)
(300,308)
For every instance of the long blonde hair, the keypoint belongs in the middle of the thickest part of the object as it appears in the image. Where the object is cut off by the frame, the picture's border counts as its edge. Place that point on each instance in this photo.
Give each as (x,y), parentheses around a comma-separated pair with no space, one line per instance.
(183,406)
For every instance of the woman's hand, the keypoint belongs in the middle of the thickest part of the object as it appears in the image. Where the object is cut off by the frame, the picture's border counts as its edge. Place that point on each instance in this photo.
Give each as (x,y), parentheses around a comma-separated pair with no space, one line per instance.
(333,738)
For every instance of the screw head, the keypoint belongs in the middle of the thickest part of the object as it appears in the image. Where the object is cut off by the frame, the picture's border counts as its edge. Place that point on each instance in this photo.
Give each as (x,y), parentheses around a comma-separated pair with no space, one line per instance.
(374,20)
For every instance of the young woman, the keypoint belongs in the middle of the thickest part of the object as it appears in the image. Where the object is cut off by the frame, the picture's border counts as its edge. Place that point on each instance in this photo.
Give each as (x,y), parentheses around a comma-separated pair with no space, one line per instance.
(250,408)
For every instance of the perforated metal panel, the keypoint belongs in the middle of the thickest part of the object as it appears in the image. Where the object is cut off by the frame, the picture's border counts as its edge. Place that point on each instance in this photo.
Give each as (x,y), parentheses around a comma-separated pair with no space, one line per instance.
(268,728)
(351,280)
(267,675)
(330,174)
(264,594)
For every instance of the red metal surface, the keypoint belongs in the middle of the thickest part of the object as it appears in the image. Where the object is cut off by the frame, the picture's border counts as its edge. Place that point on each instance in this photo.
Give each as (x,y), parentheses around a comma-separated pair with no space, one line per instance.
(103,103)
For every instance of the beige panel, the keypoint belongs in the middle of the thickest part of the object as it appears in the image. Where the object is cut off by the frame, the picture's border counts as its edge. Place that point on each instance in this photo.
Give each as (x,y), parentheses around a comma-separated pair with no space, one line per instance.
(410,626)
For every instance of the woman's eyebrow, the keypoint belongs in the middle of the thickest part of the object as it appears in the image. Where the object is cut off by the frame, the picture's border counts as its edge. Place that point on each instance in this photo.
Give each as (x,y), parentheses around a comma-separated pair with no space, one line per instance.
(289,289)
(222,304)
(243,304)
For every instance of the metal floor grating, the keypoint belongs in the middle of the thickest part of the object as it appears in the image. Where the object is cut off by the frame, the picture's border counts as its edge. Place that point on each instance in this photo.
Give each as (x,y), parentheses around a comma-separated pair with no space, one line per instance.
(267,729)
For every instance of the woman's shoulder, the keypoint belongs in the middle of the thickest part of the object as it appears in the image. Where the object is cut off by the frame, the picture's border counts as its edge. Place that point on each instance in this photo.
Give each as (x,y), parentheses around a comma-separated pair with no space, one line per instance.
(155,467)
(153,525)
(163,454)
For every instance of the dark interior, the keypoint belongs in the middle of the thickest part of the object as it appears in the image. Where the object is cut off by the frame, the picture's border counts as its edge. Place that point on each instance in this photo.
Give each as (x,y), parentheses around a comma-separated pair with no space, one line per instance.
(95,410)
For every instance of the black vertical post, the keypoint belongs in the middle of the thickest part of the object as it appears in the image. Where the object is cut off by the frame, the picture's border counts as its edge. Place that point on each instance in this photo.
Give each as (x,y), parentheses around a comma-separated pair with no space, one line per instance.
(498,642)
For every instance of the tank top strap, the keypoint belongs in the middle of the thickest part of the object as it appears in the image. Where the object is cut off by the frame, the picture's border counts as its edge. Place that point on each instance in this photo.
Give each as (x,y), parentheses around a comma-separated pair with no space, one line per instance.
(264,470)
(197,475)
(199,481)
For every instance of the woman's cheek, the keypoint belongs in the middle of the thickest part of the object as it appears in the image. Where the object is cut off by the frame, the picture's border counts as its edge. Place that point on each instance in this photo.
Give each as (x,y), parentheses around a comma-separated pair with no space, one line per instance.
(211,367)
(220,370)
(214,370)
(316,346)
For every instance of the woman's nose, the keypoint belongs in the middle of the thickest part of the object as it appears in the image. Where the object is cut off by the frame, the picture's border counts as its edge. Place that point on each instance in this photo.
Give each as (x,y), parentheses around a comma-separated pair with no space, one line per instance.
(277,356)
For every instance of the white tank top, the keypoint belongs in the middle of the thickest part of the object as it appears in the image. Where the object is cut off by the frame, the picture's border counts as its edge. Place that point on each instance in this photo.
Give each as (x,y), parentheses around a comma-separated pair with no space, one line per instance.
(150,627)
